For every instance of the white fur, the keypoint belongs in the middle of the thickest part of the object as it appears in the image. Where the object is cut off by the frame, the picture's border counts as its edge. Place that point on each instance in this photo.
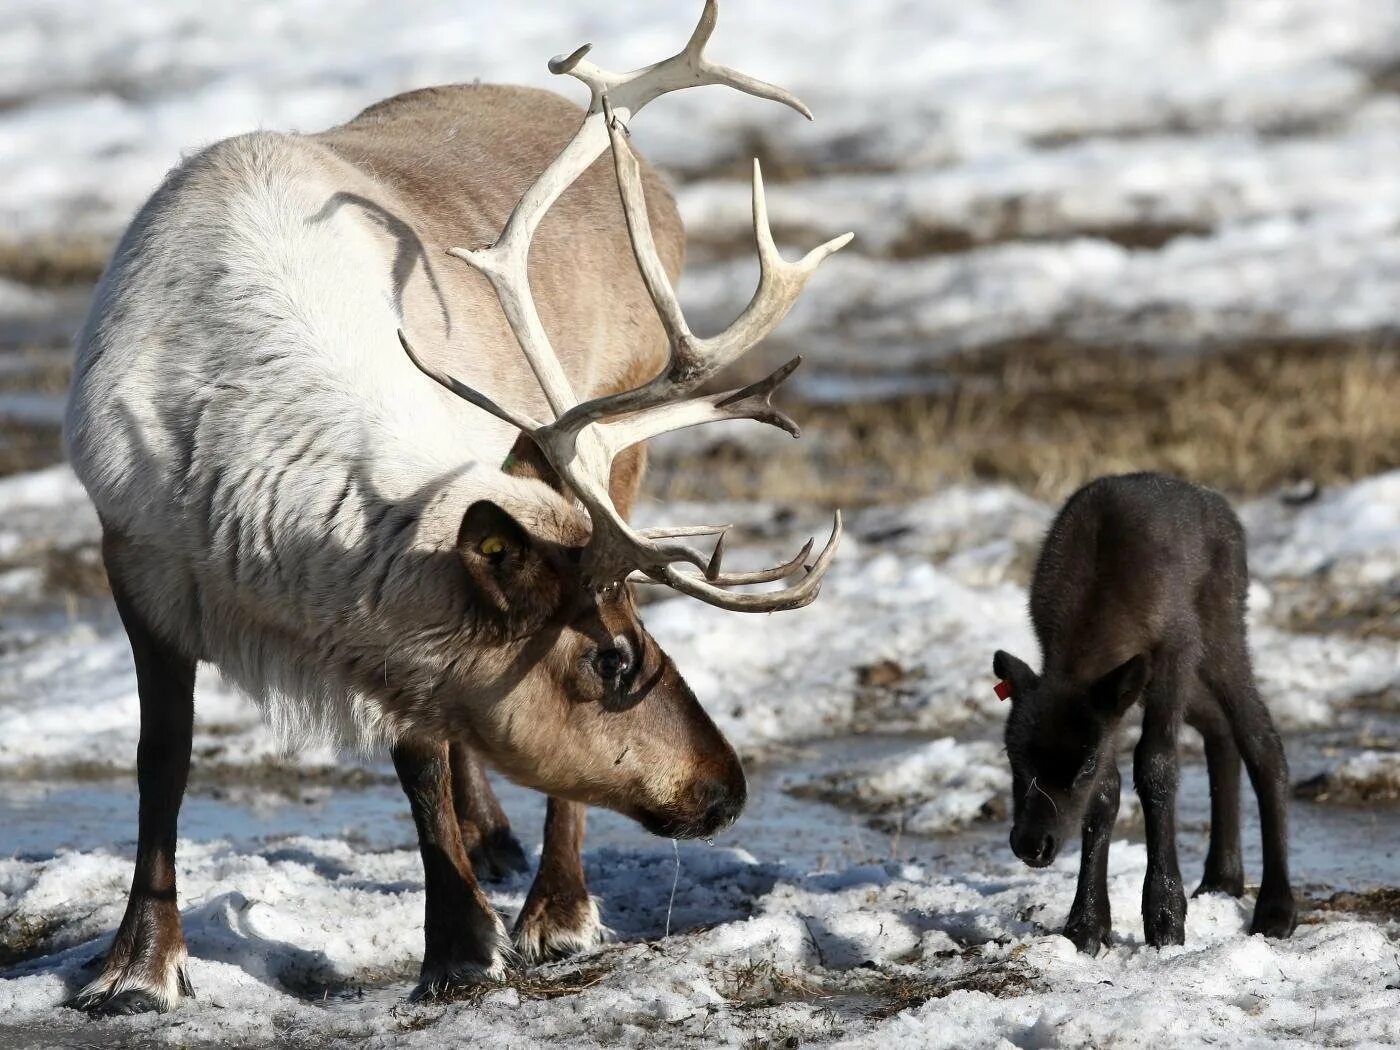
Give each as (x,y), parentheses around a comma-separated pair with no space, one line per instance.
(242,415)
(537,943)
(166,987)
(503,956)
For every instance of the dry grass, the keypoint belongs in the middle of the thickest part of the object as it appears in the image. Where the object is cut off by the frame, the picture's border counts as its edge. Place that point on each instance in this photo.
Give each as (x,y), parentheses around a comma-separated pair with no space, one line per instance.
(1048,418)
(24,446)
(54,262)
(908,993)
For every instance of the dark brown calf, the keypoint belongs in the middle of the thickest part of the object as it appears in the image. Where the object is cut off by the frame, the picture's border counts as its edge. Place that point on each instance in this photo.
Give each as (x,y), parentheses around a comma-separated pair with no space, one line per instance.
(1139,594)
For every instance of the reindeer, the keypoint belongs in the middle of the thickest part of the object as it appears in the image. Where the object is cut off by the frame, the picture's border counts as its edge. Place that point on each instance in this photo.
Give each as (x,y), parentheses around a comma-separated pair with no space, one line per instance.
(1139,595)
(283,493)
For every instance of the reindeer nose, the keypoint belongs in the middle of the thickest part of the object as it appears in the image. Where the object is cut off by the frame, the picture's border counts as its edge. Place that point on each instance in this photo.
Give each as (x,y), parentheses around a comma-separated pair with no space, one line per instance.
(724,801)
(712,805)
(1037,849)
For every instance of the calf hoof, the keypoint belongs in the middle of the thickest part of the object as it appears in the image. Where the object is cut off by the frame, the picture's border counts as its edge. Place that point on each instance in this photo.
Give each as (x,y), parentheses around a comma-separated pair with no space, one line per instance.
(551,927)
(1087,933)
(1164,911)
(1232,885)
(498,856)
(1275,915)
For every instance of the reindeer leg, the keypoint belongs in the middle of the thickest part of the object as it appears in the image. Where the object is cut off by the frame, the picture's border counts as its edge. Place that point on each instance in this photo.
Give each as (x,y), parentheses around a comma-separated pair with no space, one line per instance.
(1089,922)
(463,939)
(145,969)
(1155,776)
(559,916)
(494,851)
(1276,910)
(1224,872)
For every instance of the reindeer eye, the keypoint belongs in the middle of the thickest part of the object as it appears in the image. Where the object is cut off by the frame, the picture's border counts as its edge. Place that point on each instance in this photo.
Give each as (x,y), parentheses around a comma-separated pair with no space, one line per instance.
(614,664)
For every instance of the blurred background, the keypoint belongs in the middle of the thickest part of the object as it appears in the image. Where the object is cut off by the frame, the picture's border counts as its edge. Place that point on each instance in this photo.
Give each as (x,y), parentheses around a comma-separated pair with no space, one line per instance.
(1091,236)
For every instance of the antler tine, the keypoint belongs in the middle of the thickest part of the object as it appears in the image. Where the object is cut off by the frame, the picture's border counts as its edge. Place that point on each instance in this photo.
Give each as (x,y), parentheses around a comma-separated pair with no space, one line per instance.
(795,597)
(693,360)
(580,444)
(687,68)
(516,419)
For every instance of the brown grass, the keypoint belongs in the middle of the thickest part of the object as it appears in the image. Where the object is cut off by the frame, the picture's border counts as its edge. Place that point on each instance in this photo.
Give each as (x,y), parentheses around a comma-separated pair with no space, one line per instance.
(1048,418)
(54,262)
(27,447)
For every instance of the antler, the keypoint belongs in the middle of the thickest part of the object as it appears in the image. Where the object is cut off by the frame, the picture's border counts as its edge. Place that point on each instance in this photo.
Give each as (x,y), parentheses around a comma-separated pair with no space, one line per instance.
(584,439)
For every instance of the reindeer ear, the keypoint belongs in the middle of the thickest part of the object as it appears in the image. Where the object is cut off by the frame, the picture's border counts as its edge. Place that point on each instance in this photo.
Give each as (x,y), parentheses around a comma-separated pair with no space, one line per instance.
(490,536)
(1014,672)
(506,569)
(1118,690)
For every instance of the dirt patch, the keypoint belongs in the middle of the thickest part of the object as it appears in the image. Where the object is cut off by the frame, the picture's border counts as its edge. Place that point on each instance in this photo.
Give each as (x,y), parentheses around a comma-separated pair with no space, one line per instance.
(1322,608)
(1353,785)
(24,937)
(1382,903)
(1049,416)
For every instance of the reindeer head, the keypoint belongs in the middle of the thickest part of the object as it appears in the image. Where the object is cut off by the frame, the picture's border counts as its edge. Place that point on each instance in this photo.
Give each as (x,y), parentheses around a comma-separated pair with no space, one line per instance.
(1060,739)
(570,649)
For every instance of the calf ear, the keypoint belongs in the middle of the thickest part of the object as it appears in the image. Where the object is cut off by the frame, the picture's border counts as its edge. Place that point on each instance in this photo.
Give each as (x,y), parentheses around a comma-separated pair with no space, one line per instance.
(1009,669)
(1118,690)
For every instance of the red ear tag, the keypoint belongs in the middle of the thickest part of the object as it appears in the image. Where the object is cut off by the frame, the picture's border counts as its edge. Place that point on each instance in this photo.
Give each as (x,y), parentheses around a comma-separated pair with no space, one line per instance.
(1003,690)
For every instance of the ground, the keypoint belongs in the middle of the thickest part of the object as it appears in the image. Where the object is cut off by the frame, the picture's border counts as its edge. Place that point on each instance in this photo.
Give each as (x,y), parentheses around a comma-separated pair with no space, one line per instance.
(1089,238)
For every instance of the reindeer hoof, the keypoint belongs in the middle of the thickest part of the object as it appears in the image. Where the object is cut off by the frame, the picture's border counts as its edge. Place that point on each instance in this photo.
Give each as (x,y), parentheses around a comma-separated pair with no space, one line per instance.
(119,1004)
(450,984)
(1087,934)
(1275,916)
(554,927)
(498,856)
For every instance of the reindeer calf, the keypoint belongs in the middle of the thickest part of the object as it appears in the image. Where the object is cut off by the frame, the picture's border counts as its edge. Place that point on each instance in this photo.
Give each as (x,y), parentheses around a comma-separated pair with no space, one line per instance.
(1139,592)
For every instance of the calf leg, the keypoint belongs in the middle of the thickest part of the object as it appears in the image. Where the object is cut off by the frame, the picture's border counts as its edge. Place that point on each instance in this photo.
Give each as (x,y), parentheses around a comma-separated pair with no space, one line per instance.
(1155,775)
(494,851)
(463,937)
(145,969)
(559,916)
(1275,912)
(1089,920)
(1224,871)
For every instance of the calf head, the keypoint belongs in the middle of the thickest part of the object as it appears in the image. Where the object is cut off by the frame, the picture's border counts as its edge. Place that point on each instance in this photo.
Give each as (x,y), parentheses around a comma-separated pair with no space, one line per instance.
(1060,738)
(565,691)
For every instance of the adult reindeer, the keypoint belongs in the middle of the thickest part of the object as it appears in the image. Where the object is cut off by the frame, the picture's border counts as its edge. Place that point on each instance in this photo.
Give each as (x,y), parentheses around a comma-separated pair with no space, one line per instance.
(284,495)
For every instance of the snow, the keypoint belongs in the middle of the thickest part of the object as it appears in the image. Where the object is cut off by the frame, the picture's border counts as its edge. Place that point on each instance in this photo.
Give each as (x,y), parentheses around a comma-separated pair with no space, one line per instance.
(287,932)
(1353,533)
(836,947)
(935,787)
(1149,172)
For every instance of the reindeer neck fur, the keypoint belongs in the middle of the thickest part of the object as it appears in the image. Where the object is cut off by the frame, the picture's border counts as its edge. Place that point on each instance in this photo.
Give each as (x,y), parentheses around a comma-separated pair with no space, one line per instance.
(281,488)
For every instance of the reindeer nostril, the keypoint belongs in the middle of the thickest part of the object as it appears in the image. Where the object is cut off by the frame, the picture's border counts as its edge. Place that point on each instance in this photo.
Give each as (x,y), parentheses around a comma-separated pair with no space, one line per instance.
(1035,850)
